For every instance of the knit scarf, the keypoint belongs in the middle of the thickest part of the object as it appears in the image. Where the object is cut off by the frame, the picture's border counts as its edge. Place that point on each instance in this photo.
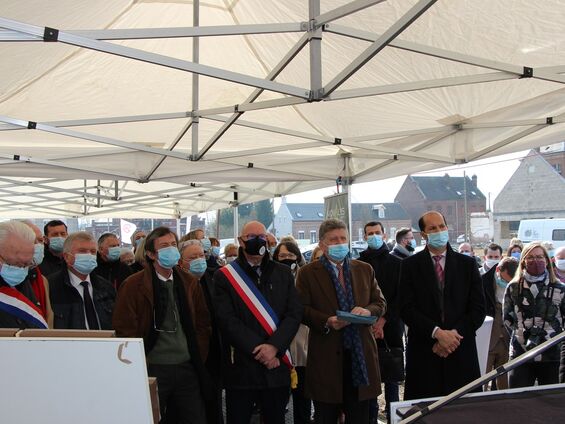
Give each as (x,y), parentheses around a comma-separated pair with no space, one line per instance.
(351,336)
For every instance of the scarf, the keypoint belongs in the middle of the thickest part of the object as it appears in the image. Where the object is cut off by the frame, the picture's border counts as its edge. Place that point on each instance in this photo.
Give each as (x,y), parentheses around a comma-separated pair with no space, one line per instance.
(351,336)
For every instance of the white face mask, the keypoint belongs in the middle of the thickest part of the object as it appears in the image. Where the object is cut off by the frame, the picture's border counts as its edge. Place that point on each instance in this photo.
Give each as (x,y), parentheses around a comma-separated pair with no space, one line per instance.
(491,262)
(230,259)
(560,264)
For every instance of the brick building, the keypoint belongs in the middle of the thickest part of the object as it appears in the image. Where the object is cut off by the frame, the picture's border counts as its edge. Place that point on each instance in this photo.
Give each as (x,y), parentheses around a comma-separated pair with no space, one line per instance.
(302,220)
(444,194)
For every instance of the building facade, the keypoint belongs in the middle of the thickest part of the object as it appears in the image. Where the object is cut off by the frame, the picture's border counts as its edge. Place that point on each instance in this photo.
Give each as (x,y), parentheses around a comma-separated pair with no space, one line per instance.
(535,190)
(455,197)
(302,220)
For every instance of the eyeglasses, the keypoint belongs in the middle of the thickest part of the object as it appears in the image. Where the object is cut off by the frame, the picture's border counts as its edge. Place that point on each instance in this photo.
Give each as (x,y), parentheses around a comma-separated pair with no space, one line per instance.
(535,258)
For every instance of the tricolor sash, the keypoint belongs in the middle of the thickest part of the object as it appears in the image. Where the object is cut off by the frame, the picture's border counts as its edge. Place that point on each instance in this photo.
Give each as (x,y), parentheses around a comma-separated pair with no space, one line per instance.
(254,300)
(15,303)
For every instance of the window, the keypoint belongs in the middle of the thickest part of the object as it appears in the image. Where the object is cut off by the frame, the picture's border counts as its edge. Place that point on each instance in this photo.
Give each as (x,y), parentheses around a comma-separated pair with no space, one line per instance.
(513,225)
(557,167)
(381,213)
(320,214)
(301,235)
(312,236)
(298,215)
(558,235)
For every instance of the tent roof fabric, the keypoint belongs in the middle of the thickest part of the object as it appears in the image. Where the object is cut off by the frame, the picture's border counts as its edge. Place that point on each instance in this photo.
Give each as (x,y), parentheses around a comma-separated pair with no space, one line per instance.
(126,108)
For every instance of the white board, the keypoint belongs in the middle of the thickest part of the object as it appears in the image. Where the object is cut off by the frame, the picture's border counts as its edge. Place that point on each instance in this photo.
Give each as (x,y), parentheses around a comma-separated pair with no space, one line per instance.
(69,381)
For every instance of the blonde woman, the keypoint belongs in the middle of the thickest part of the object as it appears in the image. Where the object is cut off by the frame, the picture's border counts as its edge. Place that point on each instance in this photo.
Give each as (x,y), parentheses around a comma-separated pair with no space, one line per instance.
(534,307)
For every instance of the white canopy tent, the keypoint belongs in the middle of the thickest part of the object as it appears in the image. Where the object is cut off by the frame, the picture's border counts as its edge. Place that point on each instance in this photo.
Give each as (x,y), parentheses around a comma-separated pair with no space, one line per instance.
(153,108)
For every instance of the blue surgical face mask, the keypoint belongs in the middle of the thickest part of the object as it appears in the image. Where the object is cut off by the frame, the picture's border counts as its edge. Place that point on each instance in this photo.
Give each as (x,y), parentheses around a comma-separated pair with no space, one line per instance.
(215,251)
(551,253)
(13,275)
(38,252)
(338,252)
(439,239)
(85,263)
(56,244)
(272,250)
(168,257)
(466,253)
(206,244)
(501,282)
(114,253)
(138,241)
(413,243)
(516,255)
(375,241)
(198,266)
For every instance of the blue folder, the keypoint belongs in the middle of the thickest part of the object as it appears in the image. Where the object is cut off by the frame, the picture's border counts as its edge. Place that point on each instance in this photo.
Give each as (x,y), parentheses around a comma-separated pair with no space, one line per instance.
(355,319)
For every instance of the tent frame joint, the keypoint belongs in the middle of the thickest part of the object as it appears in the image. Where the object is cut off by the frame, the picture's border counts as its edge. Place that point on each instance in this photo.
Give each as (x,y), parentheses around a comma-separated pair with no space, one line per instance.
(50,34)
(528,72)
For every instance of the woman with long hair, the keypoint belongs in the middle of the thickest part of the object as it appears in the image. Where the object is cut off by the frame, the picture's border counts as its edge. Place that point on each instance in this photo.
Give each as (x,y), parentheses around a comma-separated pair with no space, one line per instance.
(534,307)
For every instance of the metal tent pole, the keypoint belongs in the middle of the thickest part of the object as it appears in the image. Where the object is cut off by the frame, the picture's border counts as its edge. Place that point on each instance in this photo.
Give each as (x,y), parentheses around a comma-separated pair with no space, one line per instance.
(503,369)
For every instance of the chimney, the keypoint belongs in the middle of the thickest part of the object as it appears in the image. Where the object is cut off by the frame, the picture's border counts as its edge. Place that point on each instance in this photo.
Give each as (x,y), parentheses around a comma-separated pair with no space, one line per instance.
(474,179)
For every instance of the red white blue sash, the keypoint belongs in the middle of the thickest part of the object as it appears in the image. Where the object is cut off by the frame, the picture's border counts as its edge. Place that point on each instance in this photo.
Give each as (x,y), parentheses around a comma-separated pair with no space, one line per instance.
(254,300)
(15,303)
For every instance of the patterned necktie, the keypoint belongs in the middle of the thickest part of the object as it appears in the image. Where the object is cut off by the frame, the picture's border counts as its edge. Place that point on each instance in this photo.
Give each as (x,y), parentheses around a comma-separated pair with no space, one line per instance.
(340,277)
(439,270)
(89,308)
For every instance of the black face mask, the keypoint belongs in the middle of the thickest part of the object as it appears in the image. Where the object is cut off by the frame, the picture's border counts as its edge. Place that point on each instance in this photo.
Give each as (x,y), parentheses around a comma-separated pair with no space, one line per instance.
(289,262)
(255,246)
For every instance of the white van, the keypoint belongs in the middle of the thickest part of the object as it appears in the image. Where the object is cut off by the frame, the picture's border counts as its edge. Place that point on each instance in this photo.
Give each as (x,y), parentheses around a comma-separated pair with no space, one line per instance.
(543,230)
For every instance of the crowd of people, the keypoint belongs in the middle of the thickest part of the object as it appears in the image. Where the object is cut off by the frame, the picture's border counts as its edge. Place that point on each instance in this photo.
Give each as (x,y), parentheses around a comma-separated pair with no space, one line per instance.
(258,323)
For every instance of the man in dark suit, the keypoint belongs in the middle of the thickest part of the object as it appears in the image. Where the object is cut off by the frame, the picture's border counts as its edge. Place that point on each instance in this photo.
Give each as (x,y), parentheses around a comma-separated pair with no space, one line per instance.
(108,258)
(81,300)
(253,357)
(442,303)
(55,234)
(388,329)
(342,371)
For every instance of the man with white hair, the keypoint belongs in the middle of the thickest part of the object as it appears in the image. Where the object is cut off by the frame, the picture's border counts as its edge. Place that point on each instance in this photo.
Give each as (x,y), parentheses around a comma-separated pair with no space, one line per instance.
(80,298)
(18,303)
(559,263)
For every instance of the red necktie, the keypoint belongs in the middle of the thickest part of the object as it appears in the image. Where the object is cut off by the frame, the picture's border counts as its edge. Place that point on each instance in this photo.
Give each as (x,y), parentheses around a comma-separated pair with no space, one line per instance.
(439,270)
(340,277)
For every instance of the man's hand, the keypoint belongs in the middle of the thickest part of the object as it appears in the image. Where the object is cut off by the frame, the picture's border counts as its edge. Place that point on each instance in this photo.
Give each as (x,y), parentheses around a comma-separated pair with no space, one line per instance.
(448,340)
(378,327)
(265,353)
(440,351)
(358,310)
(273,363)
(335,323)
